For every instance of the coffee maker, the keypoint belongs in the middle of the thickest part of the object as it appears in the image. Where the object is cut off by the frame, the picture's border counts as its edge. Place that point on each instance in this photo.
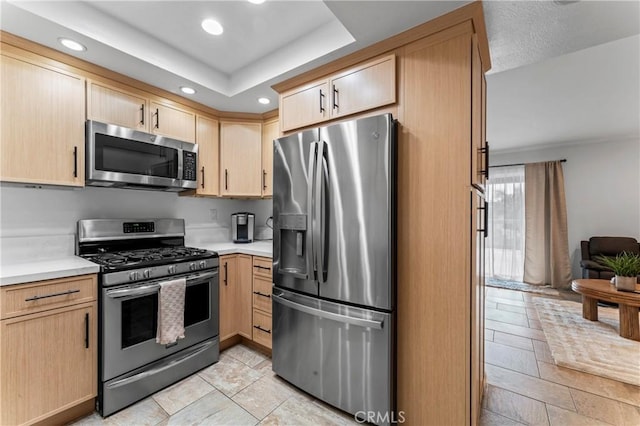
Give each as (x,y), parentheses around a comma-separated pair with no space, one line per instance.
(242,226)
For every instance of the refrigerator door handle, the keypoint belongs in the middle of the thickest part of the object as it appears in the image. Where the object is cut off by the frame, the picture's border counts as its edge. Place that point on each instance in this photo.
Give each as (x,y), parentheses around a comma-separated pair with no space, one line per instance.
(310,237)
(320,202)
(361,322)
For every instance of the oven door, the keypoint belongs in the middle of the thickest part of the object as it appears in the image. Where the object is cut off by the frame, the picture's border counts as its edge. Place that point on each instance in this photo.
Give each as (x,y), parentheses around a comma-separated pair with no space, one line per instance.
(130,320)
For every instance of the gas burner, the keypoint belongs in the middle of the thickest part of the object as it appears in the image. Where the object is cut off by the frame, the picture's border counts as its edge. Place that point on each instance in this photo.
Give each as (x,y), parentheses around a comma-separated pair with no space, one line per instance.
(128,259)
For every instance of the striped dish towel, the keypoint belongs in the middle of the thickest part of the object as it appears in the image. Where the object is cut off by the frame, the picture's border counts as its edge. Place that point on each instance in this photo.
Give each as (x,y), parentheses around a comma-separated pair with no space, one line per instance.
(171,311)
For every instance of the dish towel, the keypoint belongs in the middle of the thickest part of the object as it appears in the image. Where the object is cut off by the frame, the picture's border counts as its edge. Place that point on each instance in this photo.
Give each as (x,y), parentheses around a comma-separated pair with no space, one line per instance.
(171,311)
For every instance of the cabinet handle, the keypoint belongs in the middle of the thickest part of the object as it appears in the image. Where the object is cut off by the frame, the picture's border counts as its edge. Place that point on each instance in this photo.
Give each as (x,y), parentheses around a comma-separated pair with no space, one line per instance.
(86,330)
(262,267)
(321,101)
(142,114)
(485,150)
(262,294)
(157,115)
(75,161)
(226,179)
(63,293)
(262,329)
(225,273)
(335,97)
(264,180)
(485,210)
(202,171)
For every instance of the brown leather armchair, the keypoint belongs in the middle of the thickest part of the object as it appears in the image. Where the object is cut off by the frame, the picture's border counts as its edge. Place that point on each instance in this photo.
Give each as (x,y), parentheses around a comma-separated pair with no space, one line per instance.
(604,246)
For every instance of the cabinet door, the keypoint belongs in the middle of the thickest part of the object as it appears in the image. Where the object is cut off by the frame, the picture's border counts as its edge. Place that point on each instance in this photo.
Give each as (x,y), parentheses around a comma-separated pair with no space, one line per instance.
(304,106)
(240,159)
(173,122)
(270,131)
(42,124)
(365,87)
(478,148)
(112,105)
(478,232)
(47,363)
(207,133)
(244,296)
(228,284)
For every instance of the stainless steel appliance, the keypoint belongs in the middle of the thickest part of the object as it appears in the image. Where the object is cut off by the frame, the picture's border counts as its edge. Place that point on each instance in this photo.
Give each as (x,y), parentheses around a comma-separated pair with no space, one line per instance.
(126,158)
(334,264)
(135,256)
(242,227)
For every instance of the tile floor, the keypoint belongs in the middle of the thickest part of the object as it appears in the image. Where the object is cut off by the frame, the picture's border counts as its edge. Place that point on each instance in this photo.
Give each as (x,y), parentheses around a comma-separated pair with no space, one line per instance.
(524,386)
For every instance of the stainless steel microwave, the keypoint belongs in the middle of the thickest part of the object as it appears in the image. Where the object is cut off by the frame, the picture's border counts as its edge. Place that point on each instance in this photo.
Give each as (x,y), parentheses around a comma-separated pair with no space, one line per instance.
(125,158)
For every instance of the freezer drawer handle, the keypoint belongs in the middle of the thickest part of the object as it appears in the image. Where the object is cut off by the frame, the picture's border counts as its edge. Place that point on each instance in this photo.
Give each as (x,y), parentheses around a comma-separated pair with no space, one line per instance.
(262,329)
(329,315)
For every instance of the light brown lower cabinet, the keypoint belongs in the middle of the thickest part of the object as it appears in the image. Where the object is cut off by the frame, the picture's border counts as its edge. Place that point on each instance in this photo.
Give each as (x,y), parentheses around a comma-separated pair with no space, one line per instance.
(48,358)
(262,284)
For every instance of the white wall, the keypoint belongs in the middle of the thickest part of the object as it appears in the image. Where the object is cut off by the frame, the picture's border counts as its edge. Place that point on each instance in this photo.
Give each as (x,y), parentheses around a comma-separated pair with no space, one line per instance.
(602,186)
(41,212)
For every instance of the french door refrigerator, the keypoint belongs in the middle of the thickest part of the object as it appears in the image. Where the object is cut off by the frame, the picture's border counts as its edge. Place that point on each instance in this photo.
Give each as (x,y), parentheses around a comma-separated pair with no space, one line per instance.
(334,264)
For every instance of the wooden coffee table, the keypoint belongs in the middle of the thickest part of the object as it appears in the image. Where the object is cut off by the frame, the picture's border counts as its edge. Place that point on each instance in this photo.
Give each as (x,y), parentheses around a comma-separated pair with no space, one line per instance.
(628,302)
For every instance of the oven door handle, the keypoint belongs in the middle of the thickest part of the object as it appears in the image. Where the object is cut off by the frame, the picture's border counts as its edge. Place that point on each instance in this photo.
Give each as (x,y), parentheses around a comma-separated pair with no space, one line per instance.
(144,290)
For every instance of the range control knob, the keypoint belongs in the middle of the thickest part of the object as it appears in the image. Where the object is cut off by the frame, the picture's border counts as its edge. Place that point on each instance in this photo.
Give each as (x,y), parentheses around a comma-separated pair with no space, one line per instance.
(192,266)
(147,273)
(133,276)
(202,264)
(172,269)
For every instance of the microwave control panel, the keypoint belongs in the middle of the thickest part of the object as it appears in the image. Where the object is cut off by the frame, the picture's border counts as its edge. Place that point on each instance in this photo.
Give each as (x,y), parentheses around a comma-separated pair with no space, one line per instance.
(188,165)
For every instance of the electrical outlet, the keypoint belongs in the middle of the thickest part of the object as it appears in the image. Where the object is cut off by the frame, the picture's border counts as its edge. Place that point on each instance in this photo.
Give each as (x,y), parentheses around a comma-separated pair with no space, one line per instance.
(214,214)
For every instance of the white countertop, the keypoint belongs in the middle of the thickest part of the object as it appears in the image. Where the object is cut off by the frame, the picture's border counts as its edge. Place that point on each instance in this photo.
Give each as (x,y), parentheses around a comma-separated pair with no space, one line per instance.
(38,270)
(257,248)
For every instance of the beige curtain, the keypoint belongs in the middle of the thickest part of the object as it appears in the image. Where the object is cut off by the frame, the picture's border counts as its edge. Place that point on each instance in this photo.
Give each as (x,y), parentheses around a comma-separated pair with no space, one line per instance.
(546,240)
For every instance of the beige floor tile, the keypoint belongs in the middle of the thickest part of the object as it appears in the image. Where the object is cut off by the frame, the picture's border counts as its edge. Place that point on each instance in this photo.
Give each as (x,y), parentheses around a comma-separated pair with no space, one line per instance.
(534,323)
(263,396)
(495,300)
(506,317)
(562,417)
(513,340)
(489,335)
(144,413)
(532,313)
(265,368)
(594,384)
(212,409)
(504,294)
(183,393)
(300,411)
(229,375)
(487,418)
(90,420)
(605,409)
(520,360)
(518,330)
(532,387)
(511,308)
(515,406)
(542,351)
(246,355)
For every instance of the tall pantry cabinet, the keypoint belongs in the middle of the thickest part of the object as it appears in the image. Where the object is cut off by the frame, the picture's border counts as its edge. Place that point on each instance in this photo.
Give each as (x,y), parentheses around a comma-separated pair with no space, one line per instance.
(440,211)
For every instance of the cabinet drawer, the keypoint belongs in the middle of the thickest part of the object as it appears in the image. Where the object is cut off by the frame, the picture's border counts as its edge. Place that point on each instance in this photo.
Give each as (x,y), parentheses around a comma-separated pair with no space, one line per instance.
(39,296)
(262,267)
(262,294)
(262,328)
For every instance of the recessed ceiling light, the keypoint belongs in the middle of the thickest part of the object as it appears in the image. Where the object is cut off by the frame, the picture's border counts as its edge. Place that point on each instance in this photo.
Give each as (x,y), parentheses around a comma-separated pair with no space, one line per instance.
(264,101)
(188,90)
(71,44)
(212,26)
(256,1)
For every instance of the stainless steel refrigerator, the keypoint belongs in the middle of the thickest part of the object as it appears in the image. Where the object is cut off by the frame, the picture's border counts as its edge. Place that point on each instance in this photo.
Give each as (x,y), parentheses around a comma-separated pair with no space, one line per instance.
(334,264)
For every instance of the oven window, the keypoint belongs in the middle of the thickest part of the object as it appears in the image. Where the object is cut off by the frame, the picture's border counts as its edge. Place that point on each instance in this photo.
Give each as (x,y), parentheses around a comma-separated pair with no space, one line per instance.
(114,154)
(139,320)
(140,315)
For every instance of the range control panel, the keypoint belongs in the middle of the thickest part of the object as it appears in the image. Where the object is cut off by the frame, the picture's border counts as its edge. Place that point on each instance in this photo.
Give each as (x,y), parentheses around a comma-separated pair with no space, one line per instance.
(137,227)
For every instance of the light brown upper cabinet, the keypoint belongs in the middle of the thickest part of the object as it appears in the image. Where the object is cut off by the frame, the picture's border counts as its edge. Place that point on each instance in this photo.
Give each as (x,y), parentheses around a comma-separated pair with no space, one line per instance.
(305,105)
(479,147)
(366,86)
(240,159)
(207,138)
(172,121)
(270,131)
(113,105)
(42,120)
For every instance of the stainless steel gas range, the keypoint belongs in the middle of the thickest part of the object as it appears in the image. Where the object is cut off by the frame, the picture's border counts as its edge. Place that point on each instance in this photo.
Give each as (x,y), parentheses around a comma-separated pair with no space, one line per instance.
(135,257)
